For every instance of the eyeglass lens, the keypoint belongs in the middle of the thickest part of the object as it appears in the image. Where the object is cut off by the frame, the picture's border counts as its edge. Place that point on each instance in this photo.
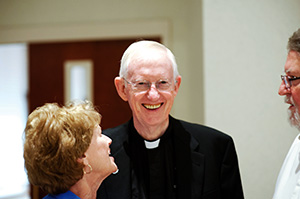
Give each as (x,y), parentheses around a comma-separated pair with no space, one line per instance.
(161,85)
(286,81)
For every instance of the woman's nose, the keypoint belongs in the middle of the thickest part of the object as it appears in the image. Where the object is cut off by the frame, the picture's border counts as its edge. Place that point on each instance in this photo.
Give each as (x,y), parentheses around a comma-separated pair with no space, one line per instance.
(109,140)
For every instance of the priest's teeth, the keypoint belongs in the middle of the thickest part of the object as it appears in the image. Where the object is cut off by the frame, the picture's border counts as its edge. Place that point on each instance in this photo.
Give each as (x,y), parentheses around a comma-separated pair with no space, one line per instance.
(155,106)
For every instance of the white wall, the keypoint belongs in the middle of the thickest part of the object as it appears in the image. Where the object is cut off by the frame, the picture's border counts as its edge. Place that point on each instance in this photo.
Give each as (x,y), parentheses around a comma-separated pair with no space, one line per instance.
(230,55)
(244,54)
(13,114)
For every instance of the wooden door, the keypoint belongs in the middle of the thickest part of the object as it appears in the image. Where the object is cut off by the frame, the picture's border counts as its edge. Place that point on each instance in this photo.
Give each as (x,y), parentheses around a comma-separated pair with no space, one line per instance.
(46,77)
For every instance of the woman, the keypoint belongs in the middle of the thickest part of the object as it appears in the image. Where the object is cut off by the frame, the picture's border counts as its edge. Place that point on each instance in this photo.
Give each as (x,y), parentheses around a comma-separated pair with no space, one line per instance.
(65,153)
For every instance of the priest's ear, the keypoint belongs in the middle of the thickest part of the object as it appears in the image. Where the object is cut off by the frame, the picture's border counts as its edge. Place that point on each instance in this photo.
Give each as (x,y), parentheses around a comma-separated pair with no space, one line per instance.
(121,89)
(177,84)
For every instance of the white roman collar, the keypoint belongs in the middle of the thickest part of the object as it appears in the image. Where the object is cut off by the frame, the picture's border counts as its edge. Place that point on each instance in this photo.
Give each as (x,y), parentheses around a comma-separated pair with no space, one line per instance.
(152,144)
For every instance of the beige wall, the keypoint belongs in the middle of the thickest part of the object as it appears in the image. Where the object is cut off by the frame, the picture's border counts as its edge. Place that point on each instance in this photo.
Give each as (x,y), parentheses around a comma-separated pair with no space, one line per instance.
(230,54)
(244,53)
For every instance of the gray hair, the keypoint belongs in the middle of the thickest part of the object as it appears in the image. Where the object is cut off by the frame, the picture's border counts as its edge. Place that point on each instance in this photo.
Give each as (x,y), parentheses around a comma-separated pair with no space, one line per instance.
(138,46)
(294,42)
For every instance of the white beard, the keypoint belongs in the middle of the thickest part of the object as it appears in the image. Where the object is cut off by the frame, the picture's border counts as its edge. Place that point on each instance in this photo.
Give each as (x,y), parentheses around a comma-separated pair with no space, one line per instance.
(294,116)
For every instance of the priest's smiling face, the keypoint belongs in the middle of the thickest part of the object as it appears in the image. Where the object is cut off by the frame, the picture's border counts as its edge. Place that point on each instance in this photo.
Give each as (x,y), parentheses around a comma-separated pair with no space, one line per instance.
(150,88)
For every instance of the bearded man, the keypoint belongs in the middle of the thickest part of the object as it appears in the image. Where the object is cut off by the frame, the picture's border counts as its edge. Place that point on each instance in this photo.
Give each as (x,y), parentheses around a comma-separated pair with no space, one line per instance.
(288,181)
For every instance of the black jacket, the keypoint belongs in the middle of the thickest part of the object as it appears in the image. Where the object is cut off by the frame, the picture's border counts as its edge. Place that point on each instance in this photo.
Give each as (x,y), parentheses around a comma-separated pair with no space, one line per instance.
(206,158)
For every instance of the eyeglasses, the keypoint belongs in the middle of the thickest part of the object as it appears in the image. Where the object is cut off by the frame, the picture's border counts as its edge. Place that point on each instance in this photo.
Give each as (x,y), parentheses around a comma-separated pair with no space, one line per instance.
(144,85)
(288,80)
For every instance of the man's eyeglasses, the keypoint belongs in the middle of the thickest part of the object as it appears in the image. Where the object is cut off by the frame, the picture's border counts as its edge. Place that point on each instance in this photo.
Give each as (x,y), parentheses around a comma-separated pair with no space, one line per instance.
(144,85)
(288,80)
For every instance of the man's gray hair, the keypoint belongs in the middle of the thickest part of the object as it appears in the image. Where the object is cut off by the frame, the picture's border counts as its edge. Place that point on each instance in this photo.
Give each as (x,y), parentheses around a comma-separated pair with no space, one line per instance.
(294,42)
(141,45)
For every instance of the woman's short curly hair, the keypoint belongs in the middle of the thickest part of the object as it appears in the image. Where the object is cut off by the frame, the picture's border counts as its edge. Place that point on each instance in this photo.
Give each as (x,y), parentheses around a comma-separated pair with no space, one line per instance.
(294,42)
(55,137)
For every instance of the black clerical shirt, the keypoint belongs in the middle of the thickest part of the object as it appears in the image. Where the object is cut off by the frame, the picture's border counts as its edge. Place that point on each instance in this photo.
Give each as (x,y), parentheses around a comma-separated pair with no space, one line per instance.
(155,167)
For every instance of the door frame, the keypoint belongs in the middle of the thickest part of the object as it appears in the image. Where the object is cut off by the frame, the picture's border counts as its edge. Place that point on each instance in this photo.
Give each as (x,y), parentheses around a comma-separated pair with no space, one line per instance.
(86,31)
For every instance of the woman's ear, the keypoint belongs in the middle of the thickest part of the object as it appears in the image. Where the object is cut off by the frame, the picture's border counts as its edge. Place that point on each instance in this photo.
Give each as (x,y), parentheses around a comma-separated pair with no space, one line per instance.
(87,168)
(120,86)
(82,159)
